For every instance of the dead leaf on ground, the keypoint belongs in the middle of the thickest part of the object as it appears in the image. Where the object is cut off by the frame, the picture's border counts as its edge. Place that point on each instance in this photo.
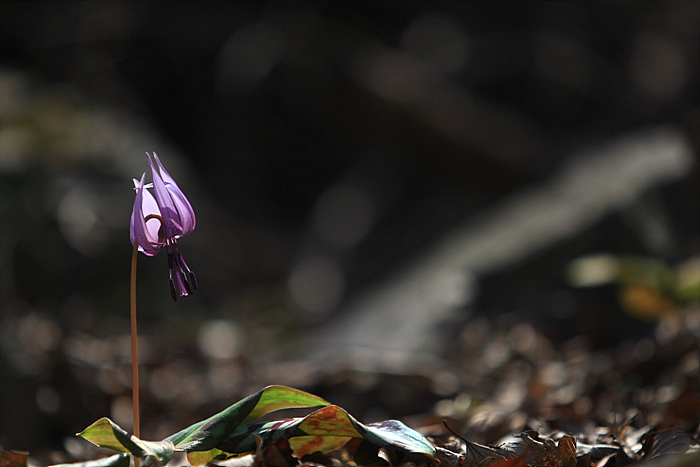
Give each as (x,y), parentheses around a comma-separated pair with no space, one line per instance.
(13,458)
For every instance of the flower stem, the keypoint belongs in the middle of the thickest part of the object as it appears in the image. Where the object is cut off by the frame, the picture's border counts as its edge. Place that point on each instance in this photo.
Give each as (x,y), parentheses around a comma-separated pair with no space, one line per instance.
(135,351)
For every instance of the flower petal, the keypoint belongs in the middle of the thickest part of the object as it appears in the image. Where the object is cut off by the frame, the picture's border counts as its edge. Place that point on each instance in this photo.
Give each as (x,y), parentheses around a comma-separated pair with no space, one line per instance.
(148,238)
(183,206)
(171,219)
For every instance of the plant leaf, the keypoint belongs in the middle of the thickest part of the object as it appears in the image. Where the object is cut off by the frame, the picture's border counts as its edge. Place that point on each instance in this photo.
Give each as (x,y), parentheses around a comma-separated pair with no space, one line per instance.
(541,452)
(324,430)
(282,397)
(330,421)
(396,434)
(479,454)
(117,460)
(107,434)
(204,457)
(306,445)
(208,434)
(235,430)
(670,442)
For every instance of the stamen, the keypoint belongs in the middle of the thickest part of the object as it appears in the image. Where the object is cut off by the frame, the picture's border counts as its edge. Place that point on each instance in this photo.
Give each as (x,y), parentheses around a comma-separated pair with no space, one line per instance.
(173,293)
(185,283)
(182,279)
(187,272)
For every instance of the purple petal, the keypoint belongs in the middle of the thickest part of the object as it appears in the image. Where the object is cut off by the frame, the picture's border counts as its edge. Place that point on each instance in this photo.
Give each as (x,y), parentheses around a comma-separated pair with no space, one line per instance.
(148,207)
(171,219)
(183,206)
(147,236)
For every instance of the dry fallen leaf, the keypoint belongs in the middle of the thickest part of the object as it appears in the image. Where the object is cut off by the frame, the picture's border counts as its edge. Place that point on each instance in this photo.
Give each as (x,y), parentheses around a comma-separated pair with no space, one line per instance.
(13,458)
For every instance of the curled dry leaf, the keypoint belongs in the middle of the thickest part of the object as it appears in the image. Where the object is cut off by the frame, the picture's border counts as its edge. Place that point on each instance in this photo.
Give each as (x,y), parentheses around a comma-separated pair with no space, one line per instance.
(548,454)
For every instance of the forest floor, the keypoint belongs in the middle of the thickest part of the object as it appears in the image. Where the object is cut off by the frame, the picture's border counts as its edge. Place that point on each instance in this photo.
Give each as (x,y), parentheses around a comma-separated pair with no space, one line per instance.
(505,393)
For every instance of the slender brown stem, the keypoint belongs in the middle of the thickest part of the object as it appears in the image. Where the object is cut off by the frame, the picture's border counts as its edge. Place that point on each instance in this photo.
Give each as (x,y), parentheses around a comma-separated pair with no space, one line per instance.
(135,351)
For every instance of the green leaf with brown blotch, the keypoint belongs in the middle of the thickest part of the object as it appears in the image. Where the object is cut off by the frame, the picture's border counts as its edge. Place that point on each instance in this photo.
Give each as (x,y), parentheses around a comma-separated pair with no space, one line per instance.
(204,457)
(235,430)
(209,433)
(323,430)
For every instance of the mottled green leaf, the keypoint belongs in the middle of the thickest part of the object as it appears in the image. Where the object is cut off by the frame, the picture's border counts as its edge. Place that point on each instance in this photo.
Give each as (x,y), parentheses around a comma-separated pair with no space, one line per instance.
(204,457)
(335,421)
(328,430)
(306,445)
(324,430)
(209,433)
(117,460)
(282,397)
(330,421)
(235,430)
(107,434)
(395,433)
(242,440)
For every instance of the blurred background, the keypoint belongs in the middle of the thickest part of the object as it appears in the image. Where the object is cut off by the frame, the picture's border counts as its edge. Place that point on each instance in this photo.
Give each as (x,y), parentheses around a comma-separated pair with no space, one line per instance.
(393,201)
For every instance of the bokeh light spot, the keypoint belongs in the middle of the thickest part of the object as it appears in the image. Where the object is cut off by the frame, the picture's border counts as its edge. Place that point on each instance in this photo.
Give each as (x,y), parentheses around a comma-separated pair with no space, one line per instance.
(48,400)
(220,339)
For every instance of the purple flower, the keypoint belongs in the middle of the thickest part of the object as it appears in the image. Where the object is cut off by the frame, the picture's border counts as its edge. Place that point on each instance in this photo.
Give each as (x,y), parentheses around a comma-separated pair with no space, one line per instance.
(158,222)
